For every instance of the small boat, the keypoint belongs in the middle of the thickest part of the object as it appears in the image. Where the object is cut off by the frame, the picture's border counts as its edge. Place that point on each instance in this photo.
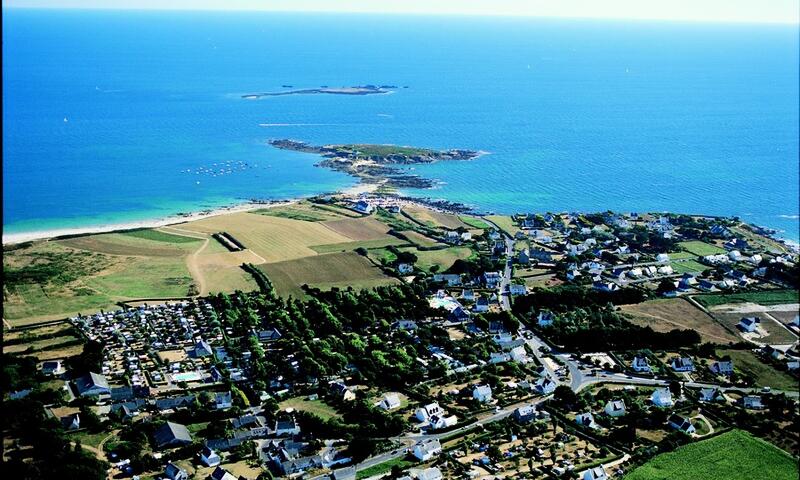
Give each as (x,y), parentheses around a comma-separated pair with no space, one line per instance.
(65,120)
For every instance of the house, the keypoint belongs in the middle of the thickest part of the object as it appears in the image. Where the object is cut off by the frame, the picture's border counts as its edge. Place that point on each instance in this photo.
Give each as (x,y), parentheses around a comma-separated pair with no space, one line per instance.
(545,318)
(640,364)
(482,305)
(615,408)
(468,294)
(432,473)
(519,354)
(427,449)
(752,402)
(406,325)
(523,257)
(286,426)
(220,473)
(542,256)
(458,314)
(662,258)
(52,368)
(268,335)
(209,457)
(424,413)
(437,423)
(71,422)
(525,414)
(364,207)
(545,386)
(517,289)
(393,209)
(596,473)
(491,279)
(92,384)
(749,324)
(722,368)
(342,391)
(390,401)
(452,279)
(682,364)
(710,395)
(223,400)
(605,286)
(172,435)
(499,357)
(174,472)
(405,268)
(587,420)
(201,349)
(662,397)
(681,424)
(482,393)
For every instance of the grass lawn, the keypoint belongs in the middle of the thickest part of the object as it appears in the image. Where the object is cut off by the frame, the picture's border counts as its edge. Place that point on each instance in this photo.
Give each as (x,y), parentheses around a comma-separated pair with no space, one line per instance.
(700,249)
(304,211)
(360,228)
(764,297)
(765,375)
(332,269)
(734,455)
(145,278)
(86,438)
(158,236)
(435,219)
(663,315)
(685,266)
(421,240)
(384,467)
(351,246)
(317,407)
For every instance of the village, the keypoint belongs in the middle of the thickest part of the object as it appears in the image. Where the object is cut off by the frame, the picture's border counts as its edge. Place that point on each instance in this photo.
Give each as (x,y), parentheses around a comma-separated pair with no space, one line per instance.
(534,357)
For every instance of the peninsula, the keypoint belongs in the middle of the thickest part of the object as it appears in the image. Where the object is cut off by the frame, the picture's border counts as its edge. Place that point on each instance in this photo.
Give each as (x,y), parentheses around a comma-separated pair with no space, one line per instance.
(356,90)
(377,163)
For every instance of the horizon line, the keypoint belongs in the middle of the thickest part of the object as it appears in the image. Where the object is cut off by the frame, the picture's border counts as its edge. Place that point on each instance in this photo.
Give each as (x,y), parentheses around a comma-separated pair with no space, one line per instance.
(792,22)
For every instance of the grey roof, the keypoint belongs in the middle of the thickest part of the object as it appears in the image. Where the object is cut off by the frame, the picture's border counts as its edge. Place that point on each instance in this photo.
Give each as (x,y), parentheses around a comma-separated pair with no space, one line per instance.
(91,381)
(172,434)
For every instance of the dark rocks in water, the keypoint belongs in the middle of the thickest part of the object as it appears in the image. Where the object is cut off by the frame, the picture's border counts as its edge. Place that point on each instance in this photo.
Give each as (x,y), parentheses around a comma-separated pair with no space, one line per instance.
(377,163)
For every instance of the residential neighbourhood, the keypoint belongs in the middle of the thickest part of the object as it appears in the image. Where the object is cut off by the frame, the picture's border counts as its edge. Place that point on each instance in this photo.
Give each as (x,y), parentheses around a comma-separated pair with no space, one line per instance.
(554,346)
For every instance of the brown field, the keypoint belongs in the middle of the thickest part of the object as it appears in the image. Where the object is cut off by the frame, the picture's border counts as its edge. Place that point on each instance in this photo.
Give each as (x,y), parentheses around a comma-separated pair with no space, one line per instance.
(56,354)
(664,315)
(435,219)
(359,228)
(333,269)
(274,239)
(420,239)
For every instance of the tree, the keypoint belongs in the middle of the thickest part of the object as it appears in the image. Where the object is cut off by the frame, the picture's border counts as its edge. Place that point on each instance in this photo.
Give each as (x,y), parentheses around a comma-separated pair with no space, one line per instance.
(675,388)
(564,396)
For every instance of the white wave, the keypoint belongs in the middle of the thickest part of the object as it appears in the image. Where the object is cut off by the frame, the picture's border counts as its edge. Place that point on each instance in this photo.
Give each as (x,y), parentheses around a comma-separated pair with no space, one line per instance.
(790,217)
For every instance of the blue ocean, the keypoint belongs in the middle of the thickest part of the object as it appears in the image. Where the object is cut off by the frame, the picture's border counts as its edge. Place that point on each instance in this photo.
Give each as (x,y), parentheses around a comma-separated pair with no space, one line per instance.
(115,116)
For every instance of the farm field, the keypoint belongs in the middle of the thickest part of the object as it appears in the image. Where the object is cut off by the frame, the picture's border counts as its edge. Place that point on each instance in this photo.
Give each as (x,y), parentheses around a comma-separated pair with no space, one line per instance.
(333,269)
(734,455)
(764,297)
(272,238)
(351,246)
(764,374)
(505,223)
(700,249)
(143,243)
(305,211)
(435,219)
(474,222)
(663,315)
(420,239)
(359,228)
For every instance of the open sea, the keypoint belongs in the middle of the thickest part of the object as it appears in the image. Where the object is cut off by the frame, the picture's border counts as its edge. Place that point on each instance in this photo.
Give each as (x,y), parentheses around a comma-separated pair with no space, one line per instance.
(108,116)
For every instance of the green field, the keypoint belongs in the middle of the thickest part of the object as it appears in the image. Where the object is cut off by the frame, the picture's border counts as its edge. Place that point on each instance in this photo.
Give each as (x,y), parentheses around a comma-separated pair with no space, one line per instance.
(700,249)
(444,258)
(734,455)
(384,467)
(351,246)
(764,297)
(765,375)
(307,212)
(474,222)
(158,236)
(689,266)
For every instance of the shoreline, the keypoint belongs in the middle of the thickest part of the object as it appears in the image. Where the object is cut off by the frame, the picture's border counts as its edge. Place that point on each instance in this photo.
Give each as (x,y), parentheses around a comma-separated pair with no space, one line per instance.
(245,206)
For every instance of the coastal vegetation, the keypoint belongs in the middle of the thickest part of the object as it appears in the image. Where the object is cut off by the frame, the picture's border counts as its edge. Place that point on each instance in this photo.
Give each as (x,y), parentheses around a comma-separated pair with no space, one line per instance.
(734,455)
(764,297)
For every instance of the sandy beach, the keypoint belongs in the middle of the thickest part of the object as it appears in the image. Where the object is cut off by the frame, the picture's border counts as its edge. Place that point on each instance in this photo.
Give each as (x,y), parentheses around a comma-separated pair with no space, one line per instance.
(12,238)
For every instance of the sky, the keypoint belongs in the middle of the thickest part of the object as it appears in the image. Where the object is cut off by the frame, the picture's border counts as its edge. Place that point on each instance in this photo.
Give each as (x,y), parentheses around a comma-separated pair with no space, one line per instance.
(760,11)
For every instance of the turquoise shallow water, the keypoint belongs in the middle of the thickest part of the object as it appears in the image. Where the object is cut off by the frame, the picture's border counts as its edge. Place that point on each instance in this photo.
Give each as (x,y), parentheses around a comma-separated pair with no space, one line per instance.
(576,115)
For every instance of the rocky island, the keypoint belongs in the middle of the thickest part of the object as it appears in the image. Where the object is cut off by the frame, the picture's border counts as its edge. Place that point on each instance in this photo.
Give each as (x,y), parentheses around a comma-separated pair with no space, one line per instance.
(377,163)
(357,90)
